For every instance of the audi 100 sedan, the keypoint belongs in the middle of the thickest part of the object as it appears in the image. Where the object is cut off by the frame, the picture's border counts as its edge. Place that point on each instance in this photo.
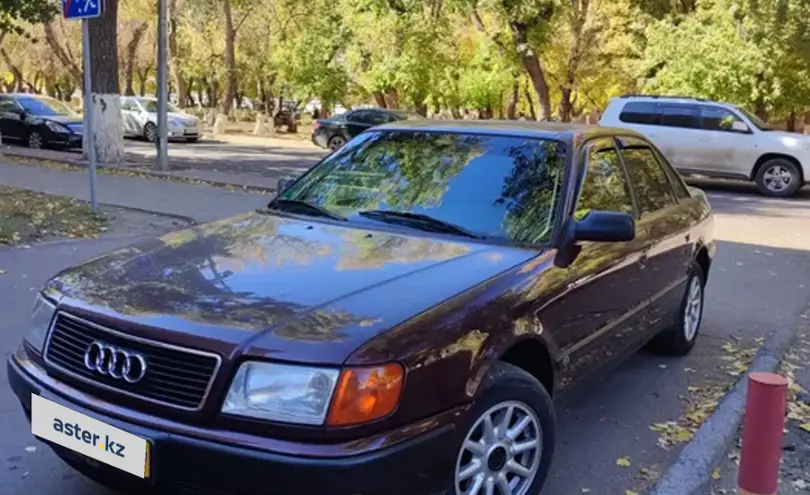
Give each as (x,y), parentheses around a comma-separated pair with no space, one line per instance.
(398,320)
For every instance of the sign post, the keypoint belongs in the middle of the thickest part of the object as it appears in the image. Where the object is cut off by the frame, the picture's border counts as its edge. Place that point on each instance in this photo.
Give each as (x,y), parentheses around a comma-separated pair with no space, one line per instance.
(162,91)
(86,10)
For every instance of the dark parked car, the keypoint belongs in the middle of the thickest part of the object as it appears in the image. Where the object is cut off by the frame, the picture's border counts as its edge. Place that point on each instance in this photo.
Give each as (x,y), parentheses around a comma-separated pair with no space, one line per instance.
(333,133)
(38,121)
(397,321)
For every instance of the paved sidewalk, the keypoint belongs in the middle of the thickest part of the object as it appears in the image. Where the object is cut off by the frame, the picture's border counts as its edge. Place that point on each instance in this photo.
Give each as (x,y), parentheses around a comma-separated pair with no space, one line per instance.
(199,202)
(242,161)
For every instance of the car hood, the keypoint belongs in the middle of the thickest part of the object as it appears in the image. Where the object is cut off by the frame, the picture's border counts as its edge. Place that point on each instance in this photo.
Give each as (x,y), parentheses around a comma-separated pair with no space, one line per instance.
(62,119)
(275,287)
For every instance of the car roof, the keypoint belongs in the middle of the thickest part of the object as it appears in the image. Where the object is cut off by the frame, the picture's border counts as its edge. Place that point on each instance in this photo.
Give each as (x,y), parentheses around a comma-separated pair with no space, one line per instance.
(538,130)
(26,95)
(671,99)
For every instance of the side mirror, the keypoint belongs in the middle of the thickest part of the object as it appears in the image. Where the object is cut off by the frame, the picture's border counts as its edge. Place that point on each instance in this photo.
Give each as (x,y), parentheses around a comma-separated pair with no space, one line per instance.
(739,126)
(283,184)
(605,226)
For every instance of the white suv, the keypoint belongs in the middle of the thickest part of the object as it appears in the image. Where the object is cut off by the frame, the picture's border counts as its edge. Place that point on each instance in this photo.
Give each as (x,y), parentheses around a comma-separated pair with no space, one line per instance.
(711,139)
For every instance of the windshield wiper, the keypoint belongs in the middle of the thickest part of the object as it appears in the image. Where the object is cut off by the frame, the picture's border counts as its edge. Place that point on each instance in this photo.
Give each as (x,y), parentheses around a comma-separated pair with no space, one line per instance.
(419,221)
(299,206)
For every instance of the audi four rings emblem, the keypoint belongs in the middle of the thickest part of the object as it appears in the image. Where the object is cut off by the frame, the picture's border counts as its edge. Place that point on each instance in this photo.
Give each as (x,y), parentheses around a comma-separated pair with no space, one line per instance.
(115,362)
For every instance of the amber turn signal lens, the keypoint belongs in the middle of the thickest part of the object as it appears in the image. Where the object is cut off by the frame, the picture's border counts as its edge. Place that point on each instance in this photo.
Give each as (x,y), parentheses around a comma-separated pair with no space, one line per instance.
(365,394)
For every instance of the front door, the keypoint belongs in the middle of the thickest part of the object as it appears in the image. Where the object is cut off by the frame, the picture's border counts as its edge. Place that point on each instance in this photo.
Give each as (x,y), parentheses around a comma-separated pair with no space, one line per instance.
(592,317)
(722,149)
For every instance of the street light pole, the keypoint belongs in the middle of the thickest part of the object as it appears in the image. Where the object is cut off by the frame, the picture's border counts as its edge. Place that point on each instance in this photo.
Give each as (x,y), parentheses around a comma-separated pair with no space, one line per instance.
(162,91)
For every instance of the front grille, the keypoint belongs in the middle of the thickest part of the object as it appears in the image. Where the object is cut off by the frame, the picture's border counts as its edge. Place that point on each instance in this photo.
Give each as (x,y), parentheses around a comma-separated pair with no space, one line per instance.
(174,376)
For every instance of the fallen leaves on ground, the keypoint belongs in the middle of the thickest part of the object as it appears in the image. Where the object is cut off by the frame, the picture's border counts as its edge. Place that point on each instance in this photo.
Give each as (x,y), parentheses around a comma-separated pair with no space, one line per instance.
(701,401)
(623,462)
(26,216)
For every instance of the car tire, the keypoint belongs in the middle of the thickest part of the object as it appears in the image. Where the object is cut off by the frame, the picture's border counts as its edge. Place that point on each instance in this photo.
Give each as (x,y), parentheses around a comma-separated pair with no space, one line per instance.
(506,390)
(336,143)
(680,338)
(150,132)
(779,178)
(35,140)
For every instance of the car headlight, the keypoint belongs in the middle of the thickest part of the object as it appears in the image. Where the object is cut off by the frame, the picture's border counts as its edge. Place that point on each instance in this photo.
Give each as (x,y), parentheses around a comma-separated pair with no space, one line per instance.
(314,396)
(39,323)
(175,123)
(56,127)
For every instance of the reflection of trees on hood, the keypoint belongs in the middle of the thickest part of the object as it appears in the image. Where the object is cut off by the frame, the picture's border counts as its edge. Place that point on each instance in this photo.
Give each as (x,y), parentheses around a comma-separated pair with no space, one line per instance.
(180,275)
(375,251)
(531,189)
(403,169)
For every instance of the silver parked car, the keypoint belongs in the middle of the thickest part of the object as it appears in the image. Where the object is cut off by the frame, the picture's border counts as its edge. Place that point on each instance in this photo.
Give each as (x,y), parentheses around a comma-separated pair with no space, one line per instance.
(140,120)
(713,139)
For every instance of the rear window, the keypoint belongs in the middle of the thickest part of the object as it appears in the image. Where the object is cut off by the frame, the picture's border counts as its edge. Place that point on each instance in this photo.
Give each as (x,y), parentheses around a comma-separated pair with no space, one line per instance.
(638,112)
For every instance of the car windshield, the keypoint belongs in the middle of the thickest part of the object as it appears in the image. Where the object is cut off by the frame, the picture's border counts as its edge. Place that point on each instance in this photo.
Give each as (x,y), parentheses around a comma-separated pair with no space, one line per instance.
(152,106)
(494,187)
(45,106)
(758,122)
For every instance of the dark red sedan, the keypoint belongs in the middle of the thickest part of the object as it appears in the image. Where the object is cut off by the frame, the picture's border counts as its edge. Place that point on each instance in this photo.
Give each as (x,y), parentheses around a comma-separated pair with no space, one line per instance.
(396,321)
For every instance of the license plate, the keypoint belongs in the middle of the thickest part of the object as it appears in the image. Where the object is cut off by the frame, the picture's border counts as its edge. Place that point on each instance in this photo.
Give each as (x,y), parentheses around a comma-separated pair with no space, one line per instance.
(89,437)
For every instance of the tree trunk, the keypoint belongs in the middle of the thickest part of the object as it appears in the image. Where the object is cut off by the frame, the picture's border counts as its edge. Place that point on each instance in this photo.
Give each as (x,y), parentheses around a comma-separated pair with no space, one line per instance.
(230,59)
(129,59)
(67,62)
(574,56)
(791,122)
(391,98)
(105,97)
(511,110)
(531,63)
(531,102)
(379,99)
(143,75)
(16,73)
(174,56)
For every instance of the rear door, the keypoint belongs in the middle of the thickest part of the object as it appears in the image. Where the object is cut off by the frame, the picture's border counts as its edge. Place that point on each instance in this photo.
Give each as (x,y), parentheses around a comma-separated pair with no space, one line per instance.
(663,227)
(357,121)
(593,317)
(678,132)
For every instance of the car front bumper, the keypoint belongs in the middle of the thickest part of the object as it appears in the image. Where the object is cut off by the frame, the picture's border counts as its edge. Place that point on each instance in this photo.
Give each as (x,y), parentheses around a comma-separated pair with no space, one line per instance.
(183,464)
(319,138)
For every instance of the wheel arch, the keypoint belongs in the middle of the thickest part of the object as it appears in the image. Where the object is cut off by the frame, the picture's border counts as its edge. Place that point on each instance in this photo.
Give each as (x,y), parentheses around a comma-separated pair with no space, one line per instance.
(533,356)
(765,158)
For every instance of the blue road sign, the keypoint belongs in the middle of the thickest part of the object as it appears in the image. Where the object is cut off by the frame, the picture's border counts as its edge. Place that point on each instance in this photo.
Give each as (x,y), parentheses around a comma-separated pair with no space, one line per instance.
(81,9)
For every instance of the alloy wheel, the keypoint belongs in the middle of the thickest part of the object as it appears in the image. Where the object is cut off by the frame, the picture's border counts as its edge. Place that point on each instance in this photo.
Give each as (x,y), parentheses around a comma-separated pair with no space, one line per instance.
(777,178)
(35,140)
(693,310)
(501,453)
(336,143)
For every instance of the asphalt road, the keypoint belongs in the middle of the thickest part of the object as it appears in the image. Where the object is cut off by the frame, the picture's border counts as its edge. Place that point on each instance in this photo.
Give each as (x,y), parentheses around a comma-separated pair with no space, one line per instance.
(760,283)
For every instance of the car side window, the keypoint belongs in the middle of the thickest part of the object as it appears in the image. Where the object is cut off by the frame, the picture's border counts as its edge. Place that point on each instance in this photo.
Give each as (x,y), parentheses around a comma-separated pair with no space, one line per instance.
(674,115)
(129,106)
(653,188)
(605,184)
(639,112)
(717,119)
(8,106)
(357,117)
(377,118)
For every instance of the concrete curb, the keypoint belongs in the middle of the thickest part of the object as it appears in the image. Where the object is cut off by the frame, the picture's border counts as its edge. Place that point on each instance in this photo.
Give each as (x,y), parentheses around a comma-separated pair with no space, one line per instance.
(154,173)
(692,472)
(183,218)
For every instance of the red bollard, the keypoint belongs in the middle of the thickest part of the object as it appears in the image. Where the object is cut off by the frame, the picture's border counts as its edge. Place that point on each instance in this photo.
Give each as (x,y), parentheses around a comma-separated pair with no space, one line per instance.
(762,434)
